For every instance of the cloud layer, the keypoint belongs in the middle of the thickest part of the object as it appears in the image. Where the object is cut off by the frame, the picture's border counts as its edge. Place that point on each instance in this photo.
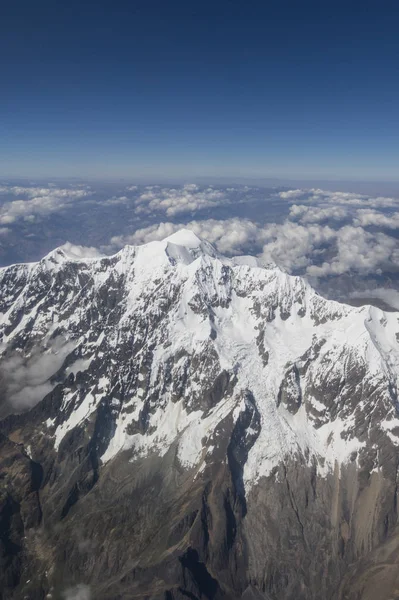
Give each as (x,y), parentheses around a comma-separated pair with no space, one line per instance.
(314,232)
(230,236)
(34,201)
(327,235)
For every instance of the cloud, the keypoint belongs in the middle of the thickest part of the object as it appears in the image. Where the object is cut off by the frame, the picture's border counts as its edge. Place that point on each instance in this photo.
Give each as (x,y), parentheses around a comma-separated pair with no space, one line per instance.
(230,236)
(349,199)
(26,379)
(41,201)
(360,251)
(349,248)
(6,219)
(34,192)
(346,198)
(308,247)
(317,214)
(387,295)
(75,252)
(313,231)
(382,202)
(293,246)
(369,217)
(292,194)
(151,233)
(77,592)
(115,201)
(172,201)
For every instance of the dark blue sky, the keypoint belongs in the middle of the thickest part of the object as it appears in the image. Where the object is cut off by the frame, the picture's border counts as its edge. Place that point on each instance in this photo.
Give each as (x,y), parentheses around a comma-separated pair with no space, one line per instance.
(173,89)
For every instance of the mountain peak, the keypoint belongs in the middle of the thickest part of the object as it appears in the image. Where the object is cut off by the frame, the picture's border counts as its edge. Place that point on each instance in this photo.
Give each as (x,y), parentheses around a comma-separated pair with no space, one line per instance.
(184,237)
(73,252)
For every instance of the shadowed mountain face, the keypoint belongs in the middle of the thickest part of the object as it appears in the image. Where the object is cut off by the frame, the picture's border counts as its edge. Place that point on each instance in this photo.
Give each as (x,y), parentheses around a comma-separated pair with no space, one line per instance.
(181,425)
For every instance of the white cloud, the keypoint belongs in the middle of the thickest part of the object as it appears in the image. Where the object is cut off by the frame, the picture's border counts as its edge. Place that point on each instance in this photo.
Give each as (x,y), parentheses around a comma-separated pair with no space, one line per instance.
(293,246)
(360,251)
(6,219)
(317,214)
(142,236)
(172,201)
(346,198)
(308,241)
(352,248)
(75,252)
(115,201)
(290,245)
(382,202)
(229,236)
(367,217)
(42,201)
(293,194)
(33,192)
(349,199)
(26,379)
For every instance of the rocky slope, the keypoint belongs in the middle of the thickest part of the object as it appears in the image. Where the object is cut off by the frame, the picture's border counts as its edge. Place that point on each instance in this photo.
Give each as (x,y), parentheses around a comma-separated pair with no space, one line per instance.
(177,424)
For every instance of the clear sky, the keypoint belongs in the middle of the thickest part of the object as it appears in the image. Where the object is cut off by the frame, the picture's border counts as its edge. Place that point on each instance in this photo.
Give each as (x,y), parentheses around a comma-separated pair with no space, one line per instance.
(182,89)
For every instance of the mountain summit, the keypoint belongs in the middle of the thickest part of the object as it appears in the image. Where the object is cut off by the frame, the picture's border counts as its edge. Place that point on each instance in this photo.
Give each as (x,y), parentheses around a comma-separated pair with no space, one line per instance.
(181,424)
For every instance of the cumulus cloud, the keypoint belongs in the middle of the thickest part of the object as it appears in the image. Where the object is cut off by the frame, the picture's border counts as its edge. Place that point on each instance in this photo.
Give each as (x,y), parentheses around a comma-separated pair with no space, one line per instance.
(229,236)
(159,231)
(75,252)
(172,201)
(37,202)
(317,214)
(308,247)
(294,246)
(315,232)
(382,202)
(368,217)
(348,246)
(293,194)
(360,251)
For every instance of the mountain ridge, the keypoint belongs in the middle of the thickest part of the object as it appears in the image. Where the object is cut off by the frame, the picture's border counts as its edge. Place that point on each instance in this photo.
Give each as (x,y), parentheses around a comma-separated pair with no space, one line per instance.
(171,354)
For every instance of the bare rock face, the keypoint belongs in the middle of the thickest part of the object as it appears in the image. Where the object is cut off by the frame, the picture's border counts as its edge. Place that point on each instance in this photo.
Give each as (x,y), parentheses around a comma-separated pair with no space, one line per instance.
(20,511)
(176,424)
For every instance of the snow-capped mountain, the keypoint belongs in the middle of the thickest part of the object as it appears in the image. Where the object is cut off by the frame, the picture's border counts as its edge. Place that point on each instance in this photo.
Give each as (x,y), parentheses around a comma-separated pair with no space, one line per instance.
(228,397)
